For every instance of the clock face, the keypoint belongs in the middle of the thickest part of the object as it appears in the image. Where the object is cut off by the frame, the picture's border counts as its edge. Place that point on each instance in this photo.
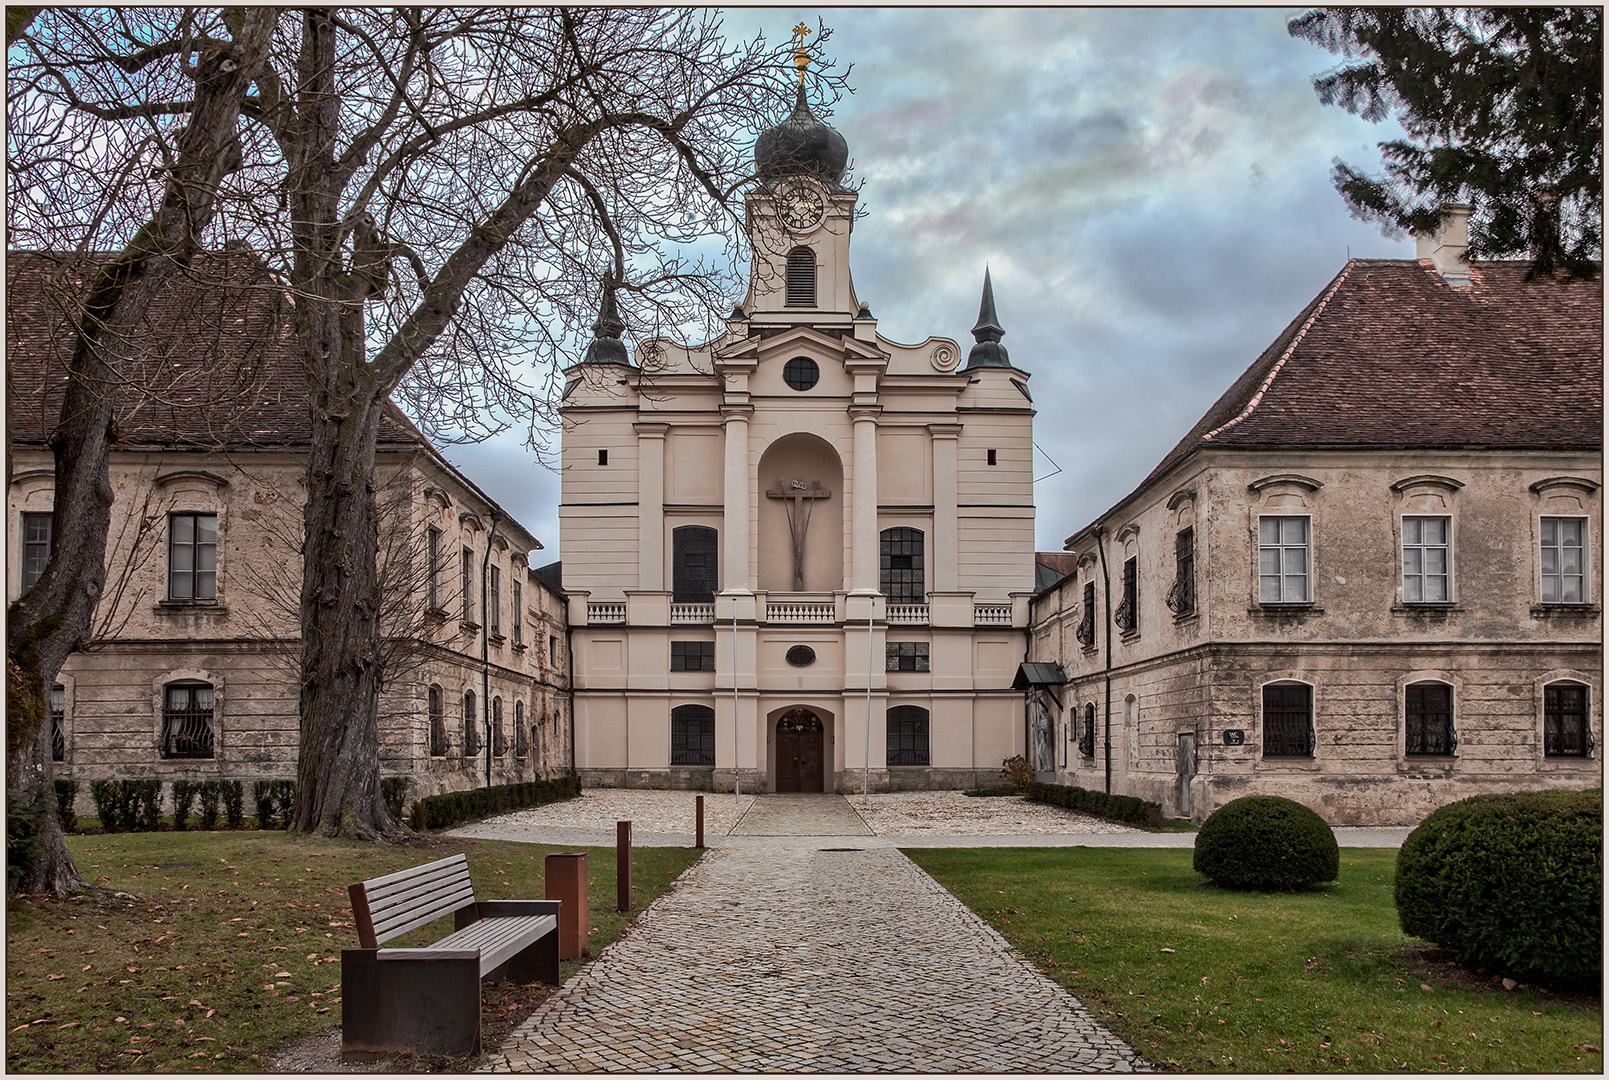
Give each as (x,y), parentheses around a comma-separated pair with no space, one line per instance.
(800,206)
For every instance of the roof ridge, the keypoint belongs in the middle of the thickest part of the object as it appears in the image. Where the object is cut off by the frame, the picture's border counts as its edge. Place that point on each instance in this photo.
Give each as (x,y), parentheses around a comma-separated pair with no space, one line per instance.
(1257,398)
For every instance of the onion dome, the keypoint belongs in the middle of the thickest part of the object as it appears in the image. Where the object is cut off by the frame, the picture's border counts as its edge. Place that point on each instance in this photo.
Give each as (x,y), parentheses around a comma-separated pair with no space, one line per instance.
(988,352)
(606,346)
(801,146)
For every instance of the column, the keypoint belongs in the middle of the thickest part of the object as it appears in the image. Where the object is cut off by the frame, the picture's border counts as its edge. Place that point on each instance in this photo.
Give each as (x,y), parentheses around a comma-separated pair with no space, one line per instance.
(735,526)
(863,509)
(651,506)
(943,548)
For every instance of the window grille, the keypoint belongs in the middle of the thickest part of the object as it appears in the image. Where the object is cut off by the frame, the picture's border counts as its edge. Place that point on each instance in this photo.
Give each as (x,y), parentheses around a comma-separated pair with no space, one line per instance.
(1127,615)
(1566,731)
(494,602)
(903,576)
(438,724)
(692,656)
(522,742)
(907,735)
(801,278)
(1086,740)
(694,552)
(433,568)
(906,656)
(692,735)
(1182,595)
(471,729)
(1086,625)
(1564,577)
(499,742)
(801,656)
(1428,720)
(466,571)
(1287,720)
(517,623)
(1282,558)
(192,556)
(1426,570)
(36,538)
(58,723)
(187,720)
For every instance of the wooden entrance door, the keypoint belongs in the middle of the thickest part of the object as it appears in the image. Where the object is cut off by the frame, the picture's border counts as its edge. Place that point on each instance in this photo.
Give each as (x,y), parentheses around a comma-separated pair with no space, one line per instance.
(801,752)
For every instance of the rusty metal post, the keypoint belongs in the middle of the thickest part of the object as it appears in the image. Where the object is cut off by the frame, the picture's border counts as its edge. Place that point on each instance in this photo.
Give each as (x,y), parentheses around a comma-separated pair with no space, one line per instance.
(698,841)
(566,882)
(623,866)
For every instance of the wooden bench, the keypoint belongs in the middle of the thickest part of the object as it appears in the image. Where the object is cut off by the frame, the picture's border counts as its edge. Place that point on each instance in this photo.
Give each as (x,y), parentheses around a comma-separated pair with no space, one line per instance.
(427,1000)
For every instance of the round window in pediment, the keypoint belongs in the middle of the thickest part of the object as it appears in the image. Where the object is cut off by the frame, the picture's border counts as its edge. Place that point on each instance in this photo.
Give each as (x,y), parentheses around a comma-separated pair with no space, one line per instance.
(801,373)
(801,656)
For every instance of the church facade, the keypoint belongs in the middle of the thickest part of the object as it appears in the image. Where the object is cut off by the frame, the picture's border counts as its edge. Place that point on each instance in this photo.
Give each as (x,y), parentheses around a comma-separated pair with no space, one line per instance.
(798,556)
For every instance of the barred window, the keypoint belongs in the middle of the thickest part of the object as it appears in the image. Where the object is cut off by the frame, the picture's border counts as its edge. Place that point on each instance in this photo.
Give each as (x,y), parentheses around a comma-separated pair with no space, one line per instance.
(1566,730)
(903,576)
(1428,719)
(471,729)
(187,720)
(466,572)
(694,551)
(522,741)
(499,742)
(692,735)
(692,656)
(1086,739)
(1086,625)
(907,735)
(193,557)
(438,723)
(801,278)
(36,538)
(494,602)
(1182,595)
(58,723)
(1287,720)
(433,568)
(906,656)
(1127,615)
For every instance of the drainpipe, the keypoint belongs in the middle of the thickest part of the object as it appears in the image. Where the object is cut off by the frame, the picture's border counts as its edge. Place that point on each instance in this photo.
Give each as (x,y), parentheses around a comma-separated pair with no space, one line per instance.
(485,652)
(1106,632)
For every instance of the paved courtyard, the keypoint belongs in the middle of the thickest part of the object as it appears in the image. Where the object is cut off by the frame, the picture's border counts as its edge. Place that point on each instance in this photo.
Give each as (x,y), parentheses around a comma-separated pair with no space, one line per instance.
(802,942)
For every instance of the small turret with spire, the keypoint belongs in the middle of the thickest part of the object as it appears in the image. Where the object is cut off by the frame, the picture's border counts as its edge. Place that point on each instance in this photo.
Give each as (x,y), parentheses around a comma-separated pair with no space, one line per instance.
(988,352)
(606,346)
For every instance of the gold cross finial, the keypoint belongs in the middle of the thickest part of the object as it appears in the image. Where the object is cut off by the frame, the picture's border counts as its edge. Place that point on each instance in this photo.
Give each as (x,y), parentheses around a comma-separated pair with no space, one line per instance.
(801,55)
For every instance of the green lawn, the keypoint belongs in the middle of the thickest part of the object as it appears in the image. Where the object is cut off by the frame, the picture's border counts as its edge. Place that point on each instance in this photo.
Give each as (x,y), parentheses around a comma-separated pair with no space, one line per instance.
(234,944)
(1200,979)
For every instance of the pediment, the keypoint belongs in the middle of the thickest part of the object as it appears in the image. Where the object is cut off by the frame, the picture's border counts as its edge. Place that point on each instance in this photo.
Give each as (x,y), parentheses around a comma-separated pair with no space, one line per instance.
(797,338)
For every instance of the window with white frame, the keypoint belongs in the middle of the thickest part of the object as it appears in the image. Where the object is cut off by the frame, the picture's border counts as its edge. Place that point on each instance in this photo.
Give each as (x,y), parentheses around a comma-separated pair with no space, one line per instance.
(1426,560)
(36,530)
(1564,560)
(1287,720)
(192,556)
(1282,560)
(1427,714)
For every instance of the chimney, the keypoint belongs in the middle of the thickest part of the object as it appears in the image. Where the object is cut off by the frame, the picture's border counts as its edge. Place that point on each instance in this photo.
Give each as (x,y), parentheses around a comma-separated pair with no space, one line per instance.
(1446,246)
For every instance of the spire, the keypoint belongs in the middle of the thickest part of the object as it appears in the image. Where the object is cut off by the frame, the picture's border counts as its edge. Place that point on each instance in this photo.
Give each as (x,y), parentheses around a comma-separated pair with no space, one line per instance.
(988,352)
(606,346)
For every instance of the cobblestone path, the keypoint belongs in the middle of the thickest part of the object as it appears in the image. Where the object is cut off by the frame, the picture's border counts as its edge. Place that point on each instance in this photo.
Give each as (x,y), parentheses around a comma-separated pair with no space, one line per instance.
(819,953)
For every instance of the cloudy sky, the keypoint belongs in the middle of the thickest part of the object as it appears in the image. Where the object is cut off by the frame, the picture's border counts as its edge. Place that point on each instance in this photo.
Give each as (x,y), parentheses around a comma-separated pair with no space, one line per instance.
(1150,189)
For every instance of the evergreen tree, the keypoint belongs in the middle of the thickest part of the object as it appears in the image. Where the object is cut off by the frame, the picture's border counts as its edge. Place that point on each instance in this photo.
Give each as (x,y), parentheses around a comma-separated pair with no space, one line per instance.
(1503,110)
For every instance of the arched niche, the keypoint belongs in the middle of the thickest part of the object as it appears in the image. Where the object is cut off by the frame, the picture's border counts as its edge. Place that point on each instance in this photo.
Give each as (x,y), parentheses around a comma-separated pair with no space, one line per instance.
(801,480)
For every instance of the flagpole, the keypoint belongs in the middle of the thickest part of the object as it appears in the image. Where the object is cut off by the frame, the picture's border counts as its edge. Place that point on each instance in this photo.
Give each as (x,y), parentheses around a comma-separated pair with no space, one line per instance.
(737,783)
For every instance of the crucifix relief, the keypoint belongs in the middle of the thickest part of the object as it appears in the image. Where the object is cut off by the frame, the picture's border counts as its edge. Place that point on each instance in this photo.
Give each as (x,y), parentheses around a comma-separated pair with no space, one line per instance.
(799,498)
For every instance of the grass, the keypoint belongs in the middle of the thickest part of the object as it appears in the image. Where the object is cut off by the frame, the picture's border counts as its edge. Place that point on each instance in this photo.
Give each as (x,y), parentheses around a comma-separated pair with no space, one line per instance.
(234,942)
(1200,979)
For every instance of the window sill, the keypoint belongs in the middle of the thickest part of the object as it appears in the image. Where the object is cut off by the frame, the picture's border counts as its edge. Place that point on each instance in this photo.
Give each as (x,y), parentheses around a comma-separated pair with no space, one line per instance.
(469,628)
(439,614)
(1565,611)
(175,607)
(495,639)
(1284,611)
(1128,637)
(1428,610)
(519,646)
(1186,617)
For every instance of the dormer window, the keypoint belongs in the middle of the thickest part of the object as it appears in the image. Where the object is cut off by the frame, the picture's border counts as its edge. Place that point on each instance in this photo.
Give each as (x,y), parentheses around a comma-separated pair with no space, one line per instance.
(801,278)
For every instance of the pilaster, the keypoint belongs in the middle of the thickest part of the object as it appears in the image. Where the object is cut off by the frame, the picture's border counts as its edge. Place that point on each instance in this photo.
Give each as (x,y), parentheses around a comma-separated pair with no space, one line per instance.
(650,506)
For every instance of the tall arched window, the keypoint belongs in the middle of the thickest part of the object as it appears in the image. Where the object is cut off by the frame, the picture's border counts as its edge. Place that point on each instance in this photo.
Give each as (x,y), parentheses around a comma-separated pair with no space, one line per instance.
(438,723)
(471,729)
(694,553)
(801,278)
(522,740)
(907,735)
(499,742)
(692,735)
(1086,740)
(903,577)
(58,723)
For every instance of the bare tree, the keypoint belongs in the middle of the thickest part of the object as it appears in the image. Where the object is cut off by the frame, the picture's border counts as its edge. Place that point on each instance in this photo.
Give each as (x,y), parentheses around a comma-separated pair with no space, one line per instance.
(191,163)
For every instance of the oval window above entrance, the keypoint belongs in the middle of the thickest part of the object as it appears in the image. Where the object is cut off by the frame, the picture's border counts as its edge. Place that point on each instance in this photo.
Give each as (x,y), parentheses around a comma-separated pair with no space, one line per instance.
(801,656)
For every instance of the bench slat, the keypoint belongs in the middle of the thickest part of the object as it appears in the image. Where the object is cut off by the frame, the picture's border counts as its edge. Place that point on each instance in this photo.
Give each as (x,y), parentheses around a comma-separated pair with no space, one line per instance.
(499,940)
(444,878)
(388,926)
(383,907)
(414,871)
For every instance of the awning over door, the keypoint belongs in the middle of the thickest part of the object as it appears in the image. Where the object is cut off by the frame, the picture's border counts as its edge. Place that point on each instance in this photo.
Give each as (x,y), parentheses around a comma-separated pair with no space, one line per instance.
(1038,674)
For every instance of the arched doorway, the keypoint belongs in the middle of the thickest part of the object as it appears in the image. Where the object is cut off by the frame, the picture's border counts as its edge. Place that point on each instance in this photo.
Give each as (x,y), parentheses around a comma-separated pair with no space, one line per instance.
(801,751)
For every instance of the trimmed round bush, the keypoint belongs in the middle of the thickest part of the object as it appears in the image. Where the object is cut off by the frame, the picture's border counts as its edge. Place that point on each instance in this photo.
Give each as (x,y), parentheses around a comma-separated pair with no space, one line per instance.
(1265,842)
(1513,883)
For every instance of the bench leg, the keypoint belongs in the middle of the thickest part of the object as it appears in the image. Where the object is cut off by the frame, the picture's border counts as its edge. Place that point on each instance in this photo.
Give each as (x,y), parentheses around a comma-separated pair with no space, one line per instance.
(408,1006)
(537,962)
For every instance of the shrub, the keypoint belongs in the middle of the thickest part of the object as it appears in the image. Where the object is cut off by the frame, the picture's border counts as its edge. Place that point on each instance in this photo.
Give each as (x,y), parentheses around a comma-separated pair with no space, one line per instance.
(1510,882)
(23,846)
(274,800)
(234,800)
(394,789)
(209,791)
(184,797)
(455,807)
(1266,842)
(66,795)
(1126,808)
(1020,772)
(146,800)
(104,794)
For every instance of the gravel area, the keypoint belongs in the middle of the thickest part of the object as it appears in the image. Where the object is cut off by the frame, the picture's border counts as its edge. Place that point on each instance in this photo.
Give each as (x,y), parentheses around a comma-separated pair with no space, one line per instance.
(953,813)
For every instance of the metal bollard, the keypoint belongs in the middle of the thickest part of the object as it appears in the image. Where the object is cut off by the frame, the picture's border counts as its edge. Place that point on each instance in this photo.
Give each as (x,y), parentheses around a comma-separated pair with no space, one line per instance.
(623,866)
(699,841)
(566,874)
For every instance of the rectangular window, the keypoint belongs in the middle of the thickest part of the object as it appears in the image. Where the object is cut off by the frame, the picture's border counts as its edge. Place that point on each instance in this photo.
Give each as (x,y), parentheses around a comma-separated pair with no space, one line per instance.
(1287,719)
(1426,560)
(553,650)
(187,721)
(1428,720)
(692,656)
(1565,727)
(1086,624)
(694,555)
(36,536)
(494,601)
(438,723)
(1127,615)
(903,573)
(907,736)
(992,458)
(1564,579)
(603,457)
(1086,738)
(466,582)
(433,568)
(58,723)
(1282,560)
(517,623)
(1182,594)
(906,656)
(692,735)
(192,556)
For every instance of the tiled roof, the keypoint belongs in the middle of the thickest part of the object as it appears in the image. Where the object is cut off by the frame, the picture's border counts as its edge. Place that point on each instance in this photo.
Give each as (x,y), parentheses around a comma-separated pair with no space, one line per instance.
(1391,355)
(218,360)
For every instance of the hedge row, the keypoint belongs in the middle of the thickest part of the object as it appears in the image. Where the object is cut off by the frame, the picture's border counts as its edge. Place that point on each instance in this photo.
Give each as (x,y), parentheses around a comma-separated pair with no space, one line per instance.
(456,807)
(210,794)
(1125,808)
